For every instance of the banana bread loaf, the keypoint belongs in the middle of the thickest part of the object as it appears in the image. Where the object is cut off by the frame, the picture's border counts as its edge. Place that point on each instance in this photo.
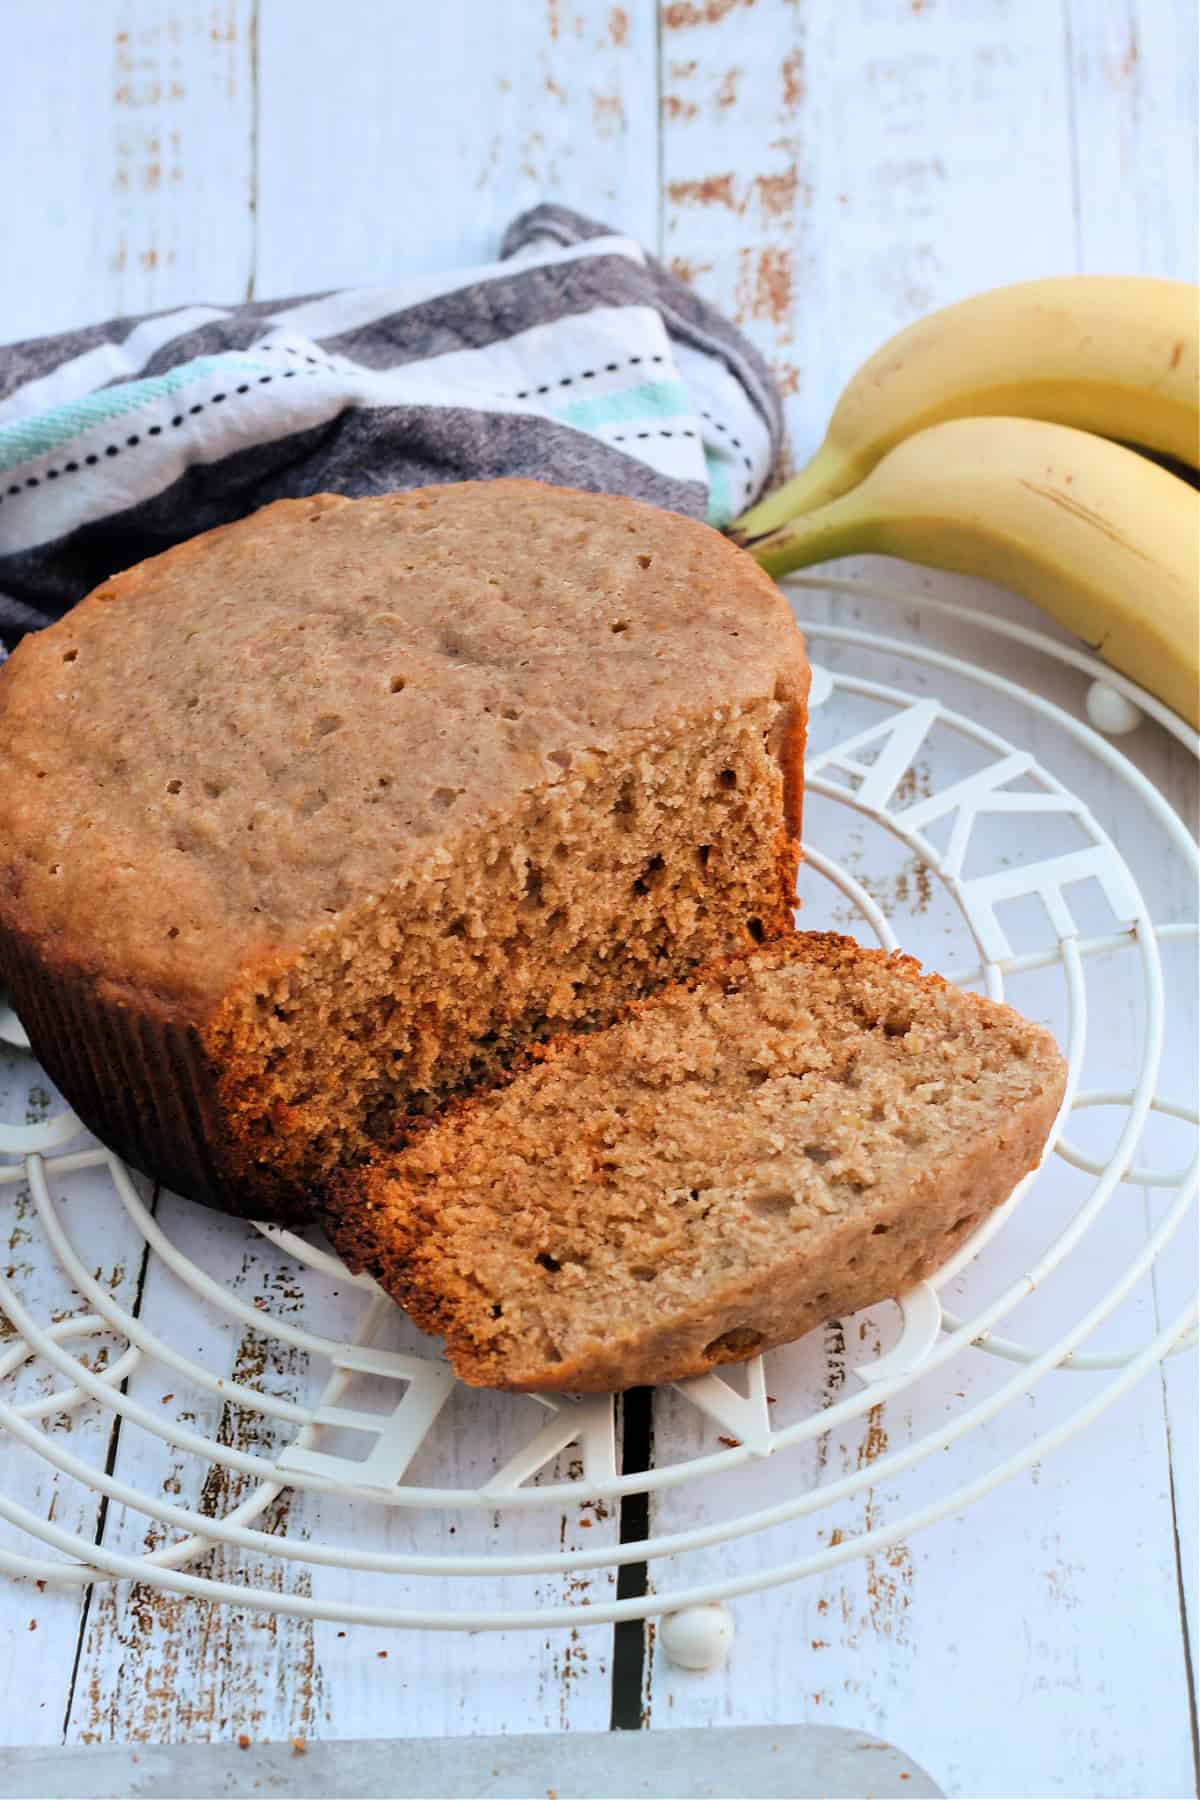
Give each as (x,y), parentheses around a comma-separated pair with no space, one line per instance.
(786,1136)
(318,818)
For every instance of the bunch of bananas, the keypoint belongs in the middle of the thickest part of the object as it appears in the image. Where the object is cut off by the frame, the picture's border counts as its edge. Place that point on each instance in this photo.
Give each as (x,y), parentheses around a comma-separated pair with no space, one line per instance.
(1001,437)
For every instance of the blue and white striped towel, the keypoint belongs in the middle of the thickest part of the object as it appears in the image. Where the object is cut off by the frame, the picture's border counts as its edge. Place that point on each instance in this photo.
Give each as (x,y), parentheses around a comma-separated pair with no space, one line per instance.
(575,359)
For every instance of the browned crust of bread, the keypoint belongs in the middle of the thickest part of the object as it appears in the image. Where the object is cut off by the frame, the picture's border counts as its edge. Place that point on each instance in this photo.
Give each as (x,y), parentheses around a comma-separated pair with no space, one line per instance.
(790,750)
(140,1077)
(146,1067)
(78,933)
(919,1232)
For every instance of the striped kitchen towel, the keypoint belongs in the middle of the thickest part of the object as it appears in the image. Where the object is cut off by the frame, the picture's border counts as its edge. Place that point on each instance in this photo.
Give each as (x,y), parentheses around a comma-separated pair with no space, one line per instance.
(575,359)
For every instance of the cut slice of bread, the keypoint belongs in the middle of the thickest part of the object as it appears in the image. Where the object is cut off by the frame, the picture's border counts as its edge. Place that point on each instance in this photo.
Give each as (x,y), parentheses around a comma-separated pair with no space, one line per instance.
(785,1137)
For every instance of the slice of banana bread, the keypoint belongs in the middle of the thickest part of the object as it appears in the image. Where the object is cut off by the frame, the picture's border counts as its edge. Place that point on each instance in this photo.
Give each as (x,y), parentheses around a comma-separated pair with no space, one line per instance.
(787,1136)
(320,817)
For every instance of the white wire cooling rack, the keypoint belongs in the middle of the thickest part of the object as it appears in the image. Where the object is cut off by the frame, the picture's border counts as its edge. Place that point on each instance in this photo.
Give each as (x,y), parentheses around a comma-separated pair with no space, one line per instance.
(312,1455)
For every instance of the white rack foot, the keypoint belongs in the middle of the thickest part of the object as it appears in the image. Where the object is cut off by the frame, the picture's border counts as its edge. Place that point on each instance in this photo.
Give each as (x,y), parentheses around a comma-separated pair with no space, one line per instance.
(698,1637)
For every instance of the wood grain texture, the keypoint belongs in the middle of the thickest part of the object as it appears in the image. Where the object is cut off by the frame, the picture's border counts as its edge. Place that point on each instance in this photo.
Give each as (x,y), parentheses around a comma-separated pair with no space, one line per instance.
(405,107)
(736,171)
(157,1666)
(1131,68)
(40,1626)
(135,120)
(1133,80)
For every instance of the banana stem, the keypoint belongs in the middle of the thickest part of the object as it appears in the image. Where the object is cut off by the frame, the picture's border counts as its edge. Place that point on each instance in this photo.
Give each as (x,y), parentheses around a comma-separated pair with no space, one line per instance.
(827,475)
(838,529)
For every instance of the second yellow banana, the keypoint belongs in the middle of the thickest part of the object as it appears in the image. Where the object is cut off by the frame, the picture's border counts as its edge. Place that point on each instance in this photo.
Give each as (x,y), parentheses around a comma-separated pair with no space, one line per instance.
(1103,540)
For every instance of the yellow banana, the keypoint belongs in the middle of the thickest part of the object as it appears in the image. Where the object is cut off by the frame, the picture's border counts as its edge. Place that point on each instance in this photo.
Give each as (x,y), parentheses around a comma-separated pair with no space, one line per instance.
(1118,355)
(1103,540)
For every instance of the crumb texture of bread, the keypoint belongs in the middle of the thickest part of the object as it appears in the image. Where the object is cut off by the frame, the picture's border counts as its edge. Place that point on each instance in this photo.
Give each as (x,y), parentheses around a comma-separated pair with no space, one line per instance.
(626,871)
(787,1136)
(317,819)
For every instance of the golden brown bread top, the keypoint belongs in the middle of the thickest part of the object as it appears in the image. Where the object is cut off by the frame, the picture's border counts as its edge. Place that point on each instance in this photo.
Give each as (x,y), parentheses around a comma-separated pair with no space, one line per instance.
(217,751)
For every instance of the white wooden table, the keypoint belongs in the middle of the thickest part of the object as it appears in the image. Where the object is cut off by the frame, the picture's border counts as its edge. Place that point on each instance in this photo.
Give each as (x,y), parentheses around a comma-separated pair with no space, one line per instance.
(826,170)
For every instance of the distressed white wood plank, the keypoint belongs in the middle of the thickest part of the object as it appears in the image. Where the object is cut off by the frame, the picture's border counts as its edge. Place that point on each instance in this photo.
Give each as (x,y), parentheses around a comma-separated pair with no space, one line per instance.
(1000,1649)
(156,1666)
(134,122)
(39,1626)
(736,184)
(1134,106)
(937,153)
(160,1667)
(395,139)
(833,171)
(1132,66)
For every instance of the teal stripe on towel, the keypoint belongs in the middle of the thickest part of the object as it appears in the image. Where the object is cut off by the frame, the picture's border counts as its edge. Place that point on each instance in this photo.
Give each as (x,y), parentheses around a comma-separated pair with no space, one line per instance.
(46,431)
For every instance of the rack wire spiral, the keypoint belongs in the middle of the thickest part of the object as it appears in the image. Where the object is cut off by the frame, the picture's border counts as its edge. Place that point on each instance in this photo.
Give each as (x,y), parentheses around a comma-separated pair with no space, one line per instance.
(1031,887)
